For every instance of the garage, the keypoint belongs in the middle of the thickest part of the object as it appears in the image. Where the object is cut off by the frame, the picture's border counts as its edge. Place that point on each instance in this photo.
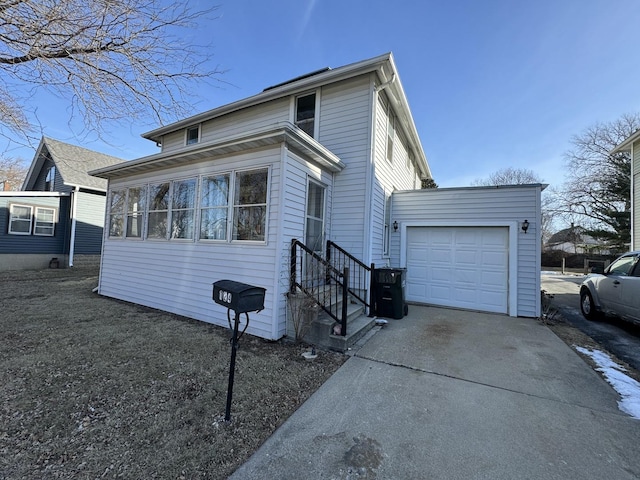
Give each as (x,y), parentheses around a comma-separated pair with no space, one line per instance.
(463,266)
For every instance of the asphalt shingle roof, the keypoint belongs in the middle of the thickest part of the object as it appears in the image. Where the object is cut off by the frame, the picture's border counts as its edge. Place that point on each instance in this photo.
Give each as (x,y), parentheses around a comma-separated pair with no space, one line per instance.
(74,162)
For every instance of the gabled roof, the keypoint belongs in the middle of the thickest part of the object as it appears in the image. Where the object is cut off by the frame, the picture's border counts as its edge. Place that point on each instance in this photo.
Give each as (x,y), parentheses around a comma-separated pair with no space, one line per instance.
(72,163)
(383,65)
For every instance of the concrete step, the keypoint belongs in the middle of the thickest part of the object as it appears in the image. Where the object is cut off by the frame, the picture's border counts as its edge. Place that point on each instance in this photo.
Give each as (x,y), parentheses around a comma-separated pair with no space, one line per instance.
(321,332)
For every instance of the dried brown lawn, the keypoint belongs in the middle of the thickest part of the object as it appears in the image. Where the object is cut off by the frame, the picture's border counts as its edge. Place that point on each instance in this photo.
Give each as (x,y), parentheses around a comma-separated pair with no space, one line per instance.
(97,388)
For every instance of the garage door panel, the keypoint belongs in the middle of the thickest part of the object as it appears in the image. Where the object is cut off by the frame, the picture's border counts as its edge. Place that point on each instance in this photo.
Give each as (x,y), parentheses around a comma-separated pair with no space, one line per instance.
(464,267)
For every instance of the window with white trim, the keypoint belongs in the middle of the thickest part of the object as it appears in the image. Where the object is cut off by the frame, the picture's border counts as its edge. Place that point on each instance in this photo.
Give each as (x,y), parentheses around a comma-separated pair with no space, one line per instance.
(183,209)
(391,131)
(193,135)
(20,218)
(387,227)
(117,212)
(250,205)
(45,221)
(136,201)
(214,207)
(157,219)
(305,113)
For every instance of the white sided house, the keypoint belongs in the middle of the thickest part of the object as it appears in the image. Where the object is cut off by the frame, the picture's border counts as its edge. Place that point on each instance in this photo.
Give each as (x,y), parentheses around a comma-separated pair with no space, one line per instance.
(333,160)
(632,146)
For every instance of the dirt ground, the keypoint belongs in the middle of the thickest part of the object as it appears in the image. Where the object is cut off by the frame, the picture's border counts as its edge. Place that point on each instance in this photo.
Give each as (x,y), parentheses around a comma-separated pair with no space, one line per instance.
(97,388)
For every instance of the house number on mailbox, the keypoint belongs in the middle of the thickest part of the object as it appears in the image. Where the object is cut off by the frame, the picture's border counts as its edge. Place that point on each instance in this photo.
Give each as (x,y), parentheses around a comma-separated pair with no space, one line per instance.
(225,296)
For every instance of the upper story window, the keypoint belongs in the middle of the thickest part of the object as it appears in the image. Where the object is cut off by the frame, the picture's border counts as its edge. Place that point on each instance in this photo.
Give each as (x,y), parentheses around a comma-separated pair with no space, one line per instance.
(305,113)
(50,180)
(391,135)
(193,135)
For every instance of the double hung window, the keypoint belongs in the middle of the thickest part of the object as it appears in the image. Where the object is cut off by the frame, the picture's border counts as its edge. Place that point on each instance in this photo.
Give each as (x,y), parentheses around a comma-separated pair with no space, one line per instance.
(306,113)
(20,217)
(44,222)
(29,220)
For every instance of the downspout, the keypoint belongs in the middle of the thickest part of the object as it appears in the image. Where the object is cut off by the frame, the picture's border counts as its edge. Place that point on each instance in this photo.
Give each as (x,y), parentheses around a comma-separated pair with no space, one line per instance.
(74,210)
(384,85)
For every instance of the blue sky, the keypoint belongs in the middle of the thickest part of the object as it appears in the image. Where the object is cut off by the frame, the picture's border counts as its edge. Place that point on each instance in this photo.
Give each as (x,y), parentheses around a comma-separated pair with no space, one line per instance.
(491,83)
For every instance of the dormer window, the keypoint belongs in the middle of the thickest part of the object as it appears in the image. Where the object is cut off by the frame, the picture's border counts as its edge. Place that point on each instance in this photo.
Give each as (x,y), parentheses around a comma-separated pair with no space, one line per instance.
(50,180)
(193,135)
(306,113)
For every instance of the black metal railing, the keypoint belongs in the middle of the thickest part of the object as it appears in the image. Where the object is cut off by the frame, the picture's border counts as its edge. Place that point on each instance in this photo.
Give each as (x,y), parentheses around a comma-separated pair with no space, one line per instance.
(320,281)
(360,280)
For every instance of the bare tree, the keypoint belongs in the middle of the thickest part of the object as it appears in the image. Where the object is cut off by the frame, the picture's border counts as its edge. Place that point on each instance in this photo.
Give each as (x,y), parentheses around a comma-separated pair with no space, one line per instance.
(113,60)
(509,176)
(597,189)
(12,173)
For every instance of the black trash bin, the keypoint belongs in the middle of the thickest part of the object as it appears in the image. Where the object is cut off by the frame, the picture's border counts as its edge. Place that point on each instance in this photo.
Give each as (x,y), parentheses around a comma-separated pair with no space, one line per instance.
(389,286)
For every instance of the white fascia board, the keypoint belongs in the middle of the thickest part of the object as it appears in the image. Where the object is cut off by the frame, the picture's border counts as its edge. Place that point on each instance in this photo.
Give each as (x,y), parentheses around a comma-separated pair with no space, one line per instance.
(627,144)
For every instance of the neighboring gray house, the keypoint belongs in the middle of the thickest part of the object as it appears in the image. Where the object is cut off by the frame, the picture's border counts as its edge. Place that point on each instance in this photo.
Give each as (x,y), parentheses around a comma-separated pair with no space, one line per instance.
(632,145)
(58,213)
(330,156)
(575,240)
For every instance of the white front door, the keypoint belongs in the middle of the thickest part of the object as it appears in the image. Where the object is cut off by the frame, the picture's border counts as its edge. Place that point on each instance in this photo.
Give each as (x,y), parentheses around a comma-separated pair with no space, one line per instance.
(464,267)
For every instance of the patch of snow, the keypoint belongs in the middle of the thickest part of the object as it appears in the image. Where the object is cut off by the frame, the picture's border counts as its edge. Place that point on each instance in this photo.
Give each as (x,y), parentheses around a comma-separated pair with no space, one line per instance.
(627,387)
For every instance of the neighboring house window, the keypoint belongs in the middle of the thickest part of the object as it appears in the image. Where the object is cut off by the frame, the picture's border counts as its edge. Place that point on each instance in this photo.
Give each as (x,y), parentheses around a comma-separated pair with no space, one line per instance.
(20,217)
(158,211)
(45,221)
(50,180)
(136,201)
(193,135)
(250,205)
(116,213)
(391,130)
(183,208)
(306,113)
(214,207)
(315,217)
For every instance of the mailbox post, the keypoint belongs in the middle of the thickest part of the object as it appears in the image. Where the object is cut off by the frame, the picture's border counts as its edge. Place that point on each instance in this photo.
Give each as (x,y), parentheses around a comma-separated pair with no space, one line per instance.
(241,298)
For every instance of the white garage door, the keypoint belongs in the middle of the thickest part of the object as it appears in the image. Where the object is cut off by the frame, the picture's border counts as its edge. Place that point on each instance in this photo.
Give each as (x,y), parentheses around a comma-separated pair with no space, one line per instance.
(465,267)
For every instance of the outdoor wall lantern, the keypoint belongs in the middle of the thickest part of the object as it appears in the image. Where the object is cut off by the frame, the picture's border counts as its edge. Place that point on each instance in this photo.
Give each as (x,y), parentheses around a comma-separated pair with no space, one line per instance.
(525,226)
(395,226)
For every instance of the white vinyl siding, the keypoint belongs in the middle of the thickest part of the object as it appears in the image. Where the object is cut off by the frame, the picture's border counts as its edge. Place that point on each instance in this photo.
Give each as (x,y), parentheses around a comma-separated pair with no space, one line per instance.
(233,124)
(344,128)
(388,177)
(177,276)
(635,206)
(481,207)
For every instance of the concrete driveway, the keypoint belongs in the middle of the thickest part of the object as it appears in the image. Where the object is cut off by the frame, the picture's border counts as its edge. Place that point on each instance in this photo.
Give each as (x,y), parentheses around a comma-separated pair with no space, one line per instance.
(452,394)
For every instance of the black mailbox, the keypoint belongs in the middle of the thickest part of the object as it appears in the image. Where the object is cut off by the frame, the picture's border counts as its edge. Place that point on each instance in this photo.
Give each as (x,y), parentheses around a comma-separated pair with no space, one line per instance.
(237,296)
